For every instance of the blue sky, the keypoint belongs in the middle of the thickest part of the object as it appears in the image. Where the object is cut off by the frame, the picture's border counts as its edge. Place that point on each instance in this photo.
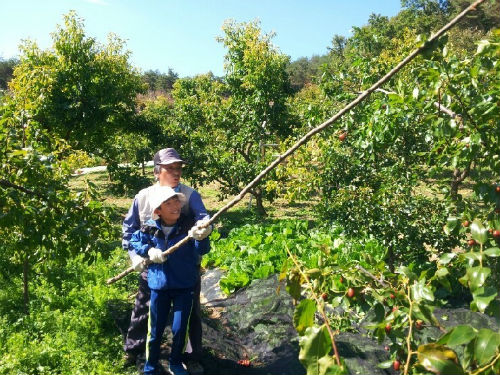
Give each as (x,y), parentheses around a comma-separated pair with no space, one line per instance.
(180,34)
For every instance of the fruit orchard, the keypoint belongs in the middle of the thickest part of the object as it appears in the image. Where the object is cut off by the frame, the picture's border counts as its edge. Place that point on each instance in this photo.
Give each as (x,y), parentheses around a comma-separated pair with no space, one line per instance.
(405,189)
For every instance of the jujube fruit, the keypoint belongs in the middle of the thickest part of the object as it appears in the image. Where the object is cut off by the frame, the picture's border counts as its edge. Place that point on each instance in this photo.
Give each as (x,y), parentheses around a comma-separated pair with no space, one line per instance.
(396,365)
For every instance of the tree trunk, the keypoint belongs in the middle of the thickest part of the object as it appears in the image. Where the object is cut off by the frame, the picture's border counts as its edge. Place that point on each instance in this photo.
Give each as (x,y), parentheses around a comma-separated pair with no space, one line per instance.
(390,258)
(259,202)
(25,285)
(458,177)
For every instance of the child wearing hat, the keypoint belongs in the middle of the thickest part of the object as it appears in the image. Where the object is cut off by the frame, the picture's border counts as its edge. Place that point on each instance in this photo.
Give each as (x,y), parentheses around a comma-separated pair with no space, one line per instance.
(171,280)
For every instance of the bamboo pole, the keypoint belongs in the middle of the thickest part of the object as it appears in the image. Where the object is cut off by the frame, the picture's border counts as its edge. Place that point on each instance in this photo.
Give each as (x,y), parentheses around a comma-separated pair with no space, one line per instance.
(314,131)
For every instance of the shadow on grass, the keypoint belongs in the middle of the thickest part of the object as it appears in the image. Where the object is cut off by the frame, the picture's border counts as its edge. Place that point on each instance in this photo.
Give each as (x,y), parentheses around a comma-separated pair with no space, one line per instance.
(120,312)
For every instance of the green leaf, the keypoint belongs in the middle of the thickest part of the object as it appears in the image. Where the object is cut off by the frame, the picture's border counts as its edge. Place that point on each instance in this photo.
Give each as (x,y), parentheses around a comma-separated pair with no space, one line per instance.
(459,335)
(386,364)
(376,314)
(441,272)
(215,235)
(477,276)
(403,270)
(481,45)
(293,287)
(479,232)
(439,359)
(315,346)
(328,366)
(492,252)
(472,257)
(425,313)
(233,281)
(421,292)
(263,271)
(447,258)
(482,297)
(451,223)
(313,273)
(303,316)
(486,346)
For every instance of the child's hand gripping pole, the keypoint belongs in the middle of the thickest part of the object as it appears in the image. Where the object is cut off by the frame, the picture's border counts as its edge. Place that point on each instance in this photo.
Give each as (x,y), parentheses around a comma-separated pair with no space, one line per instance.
(147,262)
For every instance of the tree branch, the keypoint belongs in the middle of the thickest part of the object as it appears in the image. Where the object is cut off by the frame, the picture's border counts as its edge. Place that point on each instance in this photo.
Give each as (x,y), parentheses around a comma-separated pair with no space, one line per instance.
(9,184)
(380,281)
(244,155)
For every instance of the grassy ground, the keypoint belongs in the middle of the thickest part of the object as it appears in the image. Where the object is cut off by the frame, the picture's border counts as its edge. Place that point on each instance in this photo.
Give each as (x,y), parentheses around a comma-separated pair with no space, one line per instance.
(240,214)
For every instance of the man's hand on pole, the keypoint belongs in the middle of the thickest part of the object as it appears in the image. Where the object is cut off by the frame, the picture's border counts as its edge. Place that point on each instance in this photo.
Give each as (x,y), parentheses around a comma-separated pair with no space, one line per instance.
(156,255)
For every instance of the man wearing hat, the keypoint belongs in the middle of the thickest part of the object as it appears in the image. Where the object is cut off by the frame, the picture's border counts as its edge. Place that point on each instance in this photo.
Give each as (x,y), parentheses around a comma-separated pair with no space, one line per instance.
(168,171)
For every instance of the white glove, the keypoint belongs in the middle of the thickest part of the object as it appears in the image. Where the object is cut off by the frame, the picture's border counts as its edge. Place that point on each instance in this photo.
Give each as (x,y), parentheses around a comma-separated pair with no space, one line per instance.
(156,255)
(200,233)
(138,263)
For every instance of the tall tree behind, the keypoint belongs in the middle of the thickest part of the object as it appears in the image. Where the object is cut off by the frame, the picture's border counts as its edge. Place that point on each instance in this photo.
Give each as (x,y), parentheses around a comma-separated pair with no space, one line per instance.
(231,124)
(256,109)
(304,71)
(157,81)
(79,90)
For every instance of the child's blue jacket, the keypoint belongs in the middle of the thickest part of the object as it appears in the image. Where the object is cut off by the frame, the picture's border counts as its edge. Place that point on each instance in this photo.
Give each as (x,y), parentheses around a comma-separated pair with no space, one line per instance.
(180,270)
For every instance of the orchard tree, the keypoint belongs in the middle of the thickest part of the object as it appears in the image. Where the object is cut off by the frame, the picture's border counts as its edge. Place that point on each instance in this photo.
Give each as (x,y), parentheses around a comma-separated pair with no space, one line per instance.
(78,90)
(255,113)
(234,126)
(440,126)
(43,223)
(464,142)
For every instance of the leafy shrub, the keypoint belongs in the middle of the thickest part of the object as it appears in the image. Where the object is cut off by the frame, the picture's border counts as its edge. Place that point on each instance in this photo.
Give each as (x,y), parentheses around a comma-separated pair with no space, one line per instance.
(257,251)
(71,327)
(408,225)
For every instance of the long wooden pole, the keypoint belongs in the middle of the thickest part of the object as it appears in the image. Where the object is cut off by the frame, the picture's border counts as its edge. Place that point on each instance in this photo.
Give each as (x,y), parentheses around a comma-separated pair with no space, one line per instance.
(314,131)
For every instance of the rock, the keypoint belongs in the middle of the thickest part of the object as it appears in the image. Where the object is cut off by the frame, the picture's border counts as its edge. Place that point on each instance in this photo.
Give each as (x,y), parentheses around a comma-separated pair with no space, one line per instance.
(211,294)
(256,322)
